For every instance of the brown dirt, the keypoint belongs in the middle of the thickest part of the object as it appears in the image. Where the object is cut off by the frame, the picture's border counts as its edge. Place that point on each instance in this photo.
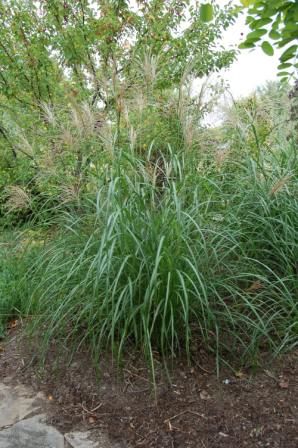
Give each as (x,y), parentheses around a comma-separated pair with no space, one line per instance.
(198,410)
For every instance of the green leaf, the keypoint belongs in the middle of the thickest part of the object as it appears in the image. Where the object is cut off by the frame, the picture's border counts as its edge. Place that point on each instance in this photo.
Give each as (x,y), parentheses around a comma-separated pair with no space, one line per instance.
(284,66)
(245,45)
(284,42)
(291,26)
(249,19)
(268,10)
(267,48)
(274,35)
(286,5)
(276,23)
(206,12)
(256,34)
(282,74)
(259,23)
(289,53)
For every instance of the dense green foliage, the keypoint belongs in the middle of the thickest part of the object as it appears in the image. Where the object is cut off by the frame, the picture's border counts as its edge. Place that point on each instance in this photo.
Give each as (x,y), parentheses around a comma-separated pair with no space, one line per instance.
(17,254)
(278,21)
(127,222)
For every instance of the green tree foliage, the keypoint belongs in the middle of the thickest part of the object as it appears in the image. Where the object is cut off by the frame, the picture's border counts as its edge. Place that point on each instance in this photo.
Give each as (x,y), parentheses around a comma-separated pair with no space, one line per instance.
(277,21)
(45,45)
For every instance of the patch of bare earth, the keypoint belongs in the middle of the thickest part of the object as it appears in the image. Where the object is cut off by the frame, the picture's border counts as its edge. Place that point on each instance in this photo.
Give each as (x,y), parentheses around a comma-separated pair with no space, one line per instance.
(245,409)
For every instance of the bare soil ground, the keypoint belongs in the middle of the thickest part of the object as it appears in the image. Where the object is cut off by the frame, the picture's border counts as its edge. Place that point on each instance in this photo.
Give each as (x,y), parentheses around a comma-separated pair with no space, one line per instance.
(244,409)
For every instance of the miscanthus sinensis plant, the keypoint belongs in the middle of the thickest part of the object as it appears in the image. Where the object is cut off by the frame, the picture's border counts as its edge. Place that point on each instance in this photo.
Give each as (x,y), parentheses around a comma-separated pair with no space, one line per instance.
(164,256)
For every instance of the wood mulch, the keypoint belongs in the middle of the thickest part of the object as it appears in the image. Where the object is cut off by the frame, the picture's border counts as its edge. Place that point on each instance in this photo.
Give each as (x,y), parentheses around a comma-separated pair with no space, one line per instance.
(244,409)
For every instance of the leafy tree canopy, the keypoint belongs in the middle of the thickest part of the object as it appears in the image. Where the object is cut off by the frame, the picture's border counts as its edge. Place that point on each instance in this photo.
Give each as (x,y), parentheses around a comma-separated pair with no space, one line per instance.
(48,45)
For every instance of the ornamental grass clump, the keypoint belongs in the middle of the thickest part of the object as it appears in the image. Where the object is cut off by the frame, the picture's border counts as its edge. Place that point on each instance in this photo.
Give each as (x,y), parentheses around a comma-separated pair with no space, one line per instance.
(157,266)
